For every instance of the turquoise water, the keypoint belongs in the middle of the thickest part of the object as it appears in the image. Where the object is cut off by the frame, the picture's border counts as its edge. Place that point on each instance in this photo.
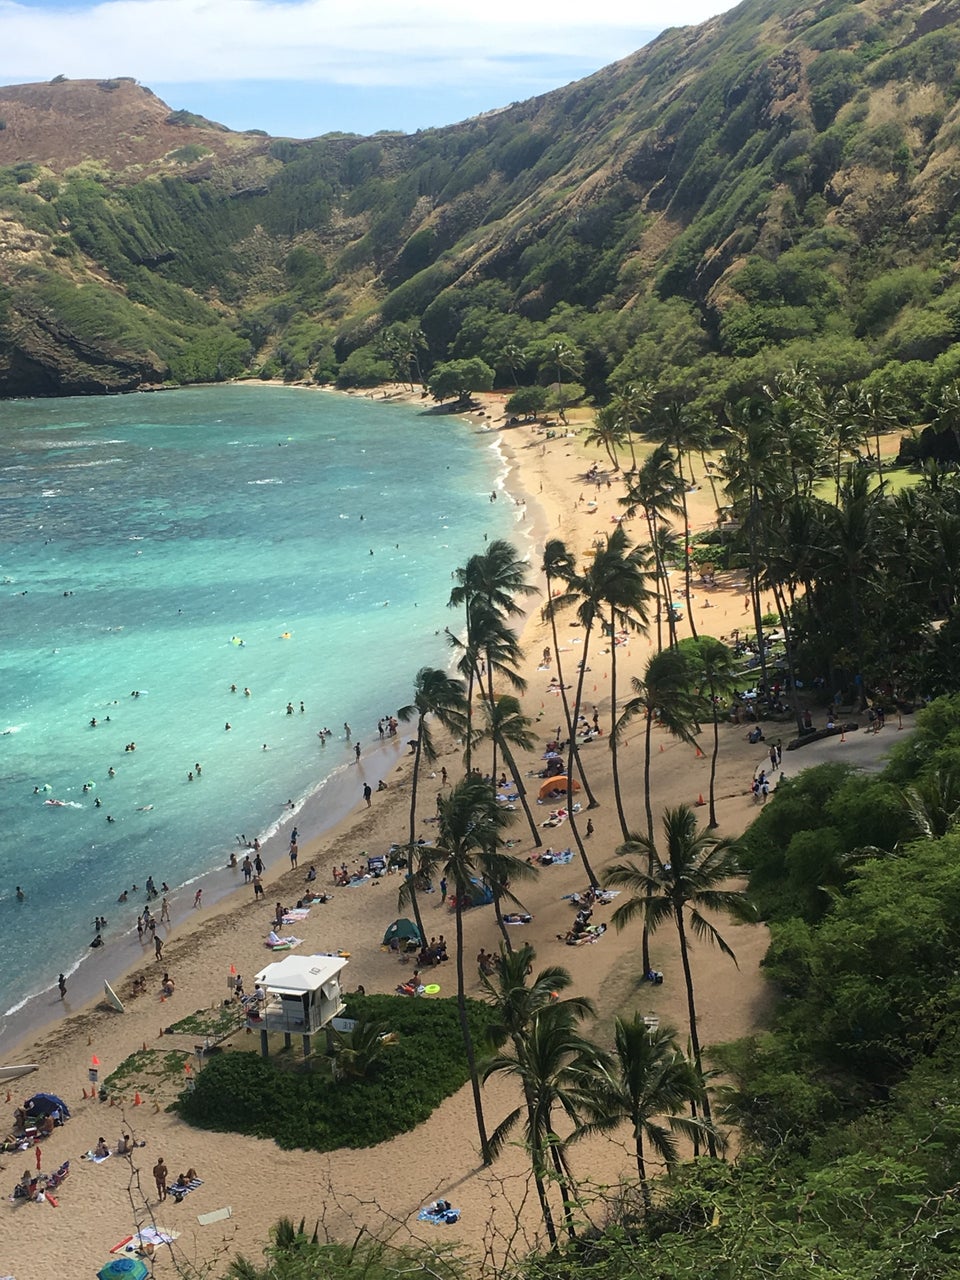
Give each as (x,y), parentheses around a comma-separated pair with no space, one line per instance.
(142,539)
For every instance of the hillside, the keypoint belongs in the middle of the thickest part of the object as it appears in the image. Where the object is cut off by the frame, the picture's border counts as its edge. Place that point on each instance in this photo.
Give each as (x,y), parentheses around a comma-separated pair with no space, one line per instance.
(772,186)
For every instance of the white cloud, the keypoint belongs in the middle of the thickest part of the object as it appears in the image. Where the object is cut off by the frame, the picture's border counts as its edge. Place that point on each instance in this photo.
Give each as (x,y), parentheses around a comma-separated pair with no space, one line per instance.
(373,42)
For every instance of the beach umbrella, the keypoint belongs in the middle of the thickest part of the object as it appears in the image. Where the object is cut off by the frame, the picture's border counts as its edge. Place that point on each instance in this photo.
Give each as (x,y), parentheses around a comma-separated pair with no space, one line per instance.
(124,1269)
(44,1104)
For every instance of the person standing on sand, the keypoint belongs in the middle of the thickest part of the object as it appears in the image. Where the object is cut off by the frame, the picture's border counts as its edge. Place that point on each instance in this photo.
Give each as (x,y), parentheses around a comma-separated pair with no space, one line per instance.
(356,752)
(62,984)
(294,854)
(157,946)
(368,794)
(160,1178)
(197,898)
(164,912)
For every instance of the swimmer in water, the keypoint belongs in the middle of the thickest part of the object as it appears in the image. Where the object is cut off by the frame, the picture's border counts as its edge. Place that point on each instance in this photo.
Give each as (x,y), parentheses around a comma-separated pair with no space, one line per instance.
(111,772)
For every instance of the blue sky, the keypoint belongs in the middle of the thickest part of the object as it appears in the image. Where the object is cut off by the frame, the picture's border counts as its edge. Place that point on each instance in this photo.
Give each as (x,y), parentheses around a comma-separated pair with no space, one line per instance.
(303,67)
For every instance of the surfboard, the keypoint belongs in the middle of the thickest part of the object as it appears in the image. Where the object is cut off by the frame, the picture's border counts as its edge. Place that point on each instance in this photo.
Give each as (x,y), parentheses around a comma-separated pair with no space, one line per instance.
(112,996)
(21,1069)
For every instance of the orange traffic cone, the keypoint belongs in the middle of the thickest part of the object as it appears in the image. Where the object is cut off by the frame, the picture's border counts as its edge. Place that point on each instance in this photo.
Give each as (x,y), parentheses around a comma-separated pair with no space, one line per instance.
(137,1100)
(699,755)
(700,801)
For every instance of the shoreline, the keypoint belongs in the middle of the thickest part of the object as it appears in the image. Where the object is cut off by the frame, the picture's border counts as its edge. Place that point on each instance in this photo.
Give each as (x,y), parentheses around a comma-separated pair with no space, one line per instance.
(321,812)
(261,1182)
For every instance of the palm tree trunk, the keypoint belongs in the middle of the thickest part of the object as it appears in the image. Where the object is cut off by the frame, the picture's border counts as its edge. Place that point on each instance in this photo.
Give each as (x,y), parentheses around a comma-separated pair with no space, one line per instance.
(788,646)
(564,1185)
(570,754)
(411,871)
(614,742)
(522,792)
(642,1172)
(501,925)
(686,541)
(591,798)
(468,1038)
(648,806)
(692,1015)
(713,758)
(538,1174)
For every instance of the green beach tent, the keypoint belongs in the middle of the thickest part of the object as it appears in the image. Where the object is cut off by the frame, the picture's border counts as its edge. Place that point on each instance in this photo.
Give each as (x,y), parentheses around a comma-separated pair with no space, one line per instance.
(405,930)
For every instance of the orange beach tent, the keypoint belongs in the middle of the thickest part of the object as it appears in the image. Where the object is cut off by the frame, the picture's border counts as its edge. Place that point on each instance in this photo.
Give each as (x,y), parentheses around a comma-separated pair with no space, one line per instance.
(559,783)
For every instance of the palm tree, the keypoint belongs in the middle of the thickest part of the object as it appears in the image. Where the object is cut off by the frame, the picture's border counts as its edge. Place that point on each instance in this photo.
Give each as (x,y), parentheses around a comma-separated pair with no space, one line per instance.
(611,575)
(359,1052)
(563,359)
(559,565)
(655,491)
(608,431)
(499,871)
(487,587)
(517,1003)
(633,404)
(650,1078)
(439,695)
(550,1059)
(684,883)
(664,695)
(506,726)
(471,825)
(877,411)
(625,595)
(717,673)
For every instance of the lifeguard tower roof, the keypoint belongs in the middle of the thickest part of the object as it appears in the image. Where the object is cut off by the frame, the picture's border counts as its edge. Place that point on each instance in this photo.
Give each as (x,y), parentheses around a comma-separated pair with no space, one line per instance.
(295,975)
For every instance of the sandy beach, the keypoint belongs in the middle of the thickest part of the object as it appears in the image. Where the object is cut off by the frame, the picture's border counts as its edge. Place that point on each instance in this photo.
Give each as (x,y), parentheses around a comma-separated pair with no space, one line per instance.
(382,1188)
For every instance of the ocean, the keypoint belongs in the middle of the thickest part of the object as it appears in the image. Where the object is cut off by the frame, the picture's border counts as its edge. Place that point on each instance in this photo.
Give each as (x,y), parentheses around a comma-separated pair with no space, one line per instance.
(157,551)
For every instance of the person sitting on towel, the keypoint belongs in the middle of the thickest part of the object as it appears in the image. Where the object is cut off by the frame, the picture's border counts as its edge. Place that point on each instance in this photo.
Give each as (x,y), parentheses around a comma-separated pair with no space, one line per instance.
(101,1150)
(440,1207)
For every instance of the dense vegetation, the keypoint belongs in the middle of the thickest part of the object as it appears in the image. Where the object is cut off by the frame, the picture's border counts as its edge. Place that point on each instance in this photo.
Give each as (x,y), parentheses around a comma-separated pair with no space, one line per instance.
(772,187)
(375,1085)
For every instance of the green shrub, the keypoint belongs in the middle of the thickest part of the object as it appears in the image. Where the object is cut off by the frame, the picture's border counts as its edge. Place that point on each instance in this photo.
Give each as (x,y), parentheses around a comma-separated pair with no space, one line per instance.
(239,1092)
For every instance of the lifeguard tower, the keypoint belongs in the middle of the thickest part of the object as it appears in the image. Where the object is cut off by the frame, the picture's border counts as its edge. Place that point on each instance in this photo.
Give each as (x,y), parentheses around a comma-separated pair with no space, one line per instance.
(303,993)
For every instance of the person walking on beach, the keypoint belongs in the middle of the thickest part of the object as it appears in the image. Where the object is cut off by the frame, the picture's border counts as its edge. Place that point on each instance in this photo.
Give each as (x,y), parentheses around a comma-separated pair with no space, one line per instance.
(443,890)
(258,864)
(368,794)
(197,898)
(257,888)
(356,752)
(164,912)
(294,854)
(62,984)
(160,1177)
(157,946)
(247,868)
(140,927)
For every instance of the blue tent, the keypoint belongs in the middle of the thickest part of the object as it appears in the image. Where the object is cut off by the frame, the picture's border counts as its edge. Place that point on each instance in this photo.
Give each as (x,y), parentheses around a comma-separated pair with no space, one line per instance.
(480,895)
(45,1104)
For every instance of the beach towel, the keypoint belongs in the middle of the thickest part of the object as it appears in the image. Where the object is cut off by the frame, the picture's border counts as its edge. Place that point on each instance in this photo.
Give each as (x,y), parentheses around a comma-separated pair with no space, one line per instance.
(276,943)
(439,1219)
(215,1215)
(146,1235)
(295,913)
(179,1192)
(88,1155)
